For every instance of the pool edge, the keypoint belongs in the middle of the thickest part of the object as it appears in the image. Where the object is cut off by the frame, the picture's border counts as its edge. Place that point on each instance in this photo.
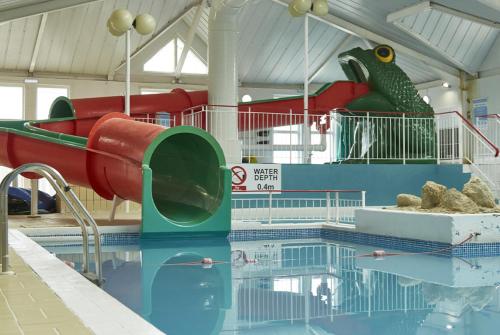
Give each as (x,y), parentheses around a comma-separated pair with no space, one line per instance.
(99,311)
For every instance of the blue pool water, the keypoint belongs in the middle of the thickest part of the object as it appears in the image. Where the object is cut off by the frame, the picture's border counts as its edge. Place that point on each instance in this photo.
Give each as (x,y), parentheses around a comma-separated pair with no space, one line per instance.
(308,286)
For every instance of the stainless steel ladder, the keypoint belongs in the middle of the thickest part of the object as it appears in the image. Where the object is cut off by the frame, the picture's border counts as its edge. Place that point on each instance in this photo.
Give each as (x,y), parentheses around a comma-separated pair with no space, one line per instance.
(80,213)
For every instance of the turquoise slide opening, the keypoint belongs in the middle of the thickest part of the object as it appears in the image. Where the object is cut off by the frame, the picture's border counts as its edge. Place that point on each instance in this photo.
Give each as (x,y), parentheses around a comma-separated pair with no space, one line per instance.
(187,181)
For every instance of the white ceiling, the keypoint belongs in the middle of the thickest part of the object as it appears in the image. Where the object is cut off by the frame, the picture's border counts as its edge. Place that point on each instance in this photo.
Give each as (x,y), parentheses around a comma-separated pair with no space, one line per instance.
(74,41)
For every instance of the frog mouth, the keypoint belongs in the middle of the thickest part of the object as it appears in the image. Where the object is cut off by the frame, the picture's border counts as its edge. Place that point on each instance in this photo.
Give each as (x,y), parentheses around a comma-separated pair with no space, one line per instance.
(355,70)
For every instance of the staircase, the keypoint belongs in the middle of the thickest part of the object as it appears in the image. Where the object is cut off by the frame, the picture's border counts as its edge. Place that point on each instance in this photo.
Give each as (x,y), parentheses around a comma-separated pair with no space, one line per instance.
(461,142)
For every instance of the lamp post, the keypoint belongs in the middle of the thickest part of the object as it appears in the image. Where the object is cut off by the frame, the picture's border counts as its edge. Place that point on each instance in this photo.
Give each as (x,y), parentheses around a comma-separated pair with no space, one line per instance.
(298,8)
(121,22)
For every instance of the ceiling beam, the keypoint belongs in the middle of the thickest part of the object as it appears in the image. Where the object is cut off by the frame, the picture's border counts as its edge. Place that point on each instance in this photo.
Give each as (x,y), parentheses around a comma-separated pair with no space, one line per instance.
(428,44)
(295,87)
(195,81)
(465,16)
(429,84)
(40,8)
(344,43)
(491,3)
(158,35)
(189,39)
(361,32)
(39,36)
(369,44)
(431,5)
(409,11)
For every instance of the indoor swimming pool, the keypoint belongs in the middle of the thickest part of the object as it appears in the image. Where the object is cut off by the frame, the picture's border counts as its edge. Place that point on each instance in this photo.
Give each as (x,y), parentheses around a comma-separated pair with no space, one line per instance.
(306,286)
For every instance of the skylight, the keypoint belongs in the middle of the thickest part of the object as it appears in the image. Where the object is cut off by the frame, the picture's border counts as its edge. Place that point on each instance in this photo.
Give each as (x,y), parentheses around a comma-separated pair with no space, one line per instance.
(166,60)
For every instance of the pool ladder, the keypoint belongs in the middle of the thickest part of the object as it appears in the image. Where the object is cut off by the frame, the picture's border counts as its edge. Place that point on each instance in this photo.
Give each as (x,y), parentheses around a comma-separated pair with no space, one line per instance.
(80,213)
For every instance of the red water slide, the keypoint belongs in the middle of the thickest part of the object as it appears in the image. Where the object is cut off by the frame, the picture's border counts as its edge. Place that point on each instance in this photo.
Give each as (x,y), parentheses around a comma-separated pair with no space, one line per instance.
(108,149)
(87,111)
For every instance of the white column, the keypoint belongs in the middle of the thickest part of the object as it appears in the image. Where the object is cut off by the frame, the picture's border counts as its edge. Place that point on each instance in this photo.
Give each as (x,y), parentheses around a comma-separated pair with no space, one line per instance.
(34,199)
(127,74)
(306,159)
(223,75)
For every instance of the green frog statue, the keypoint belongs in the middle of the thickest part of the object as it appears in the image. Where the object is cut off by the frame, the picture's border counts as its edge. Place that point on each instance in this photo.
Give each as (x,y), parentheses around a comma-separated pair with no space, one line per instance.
(379,137)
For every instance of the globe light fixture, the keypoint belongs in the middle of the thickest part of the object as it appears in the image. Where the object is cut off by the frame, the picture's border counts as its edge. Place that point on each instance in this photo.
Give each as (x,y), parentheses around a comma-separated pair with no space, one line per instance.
(120,21)
(320,7)
(144,24)
(301,7)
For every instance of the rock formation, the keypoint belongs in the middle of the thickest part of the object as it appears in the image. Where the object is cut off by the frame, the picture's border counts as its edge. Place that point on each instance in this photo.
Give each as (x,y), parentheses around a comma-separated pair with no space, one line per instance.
(432,193)
(456,201)
(475,198)
(479,192)
(408,200)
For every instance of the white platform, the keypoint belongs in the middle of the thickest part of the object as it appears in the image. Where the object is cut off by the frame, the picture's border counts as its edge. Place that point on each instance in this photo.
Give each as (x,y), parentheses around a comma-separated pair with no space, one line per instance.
(445,228)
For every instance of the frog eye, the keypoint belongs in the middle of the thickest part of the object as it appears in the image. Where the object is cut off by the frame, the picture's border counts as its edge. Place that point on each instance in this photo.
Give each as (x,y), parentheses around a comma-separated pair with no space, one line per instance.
(384,53)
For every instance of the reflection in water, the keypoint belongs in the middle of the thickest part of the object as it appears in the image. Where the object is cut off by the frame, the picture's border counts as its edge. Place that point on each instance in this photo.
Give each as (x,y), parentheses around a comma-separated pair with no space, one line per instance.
(197,298)
(299,287)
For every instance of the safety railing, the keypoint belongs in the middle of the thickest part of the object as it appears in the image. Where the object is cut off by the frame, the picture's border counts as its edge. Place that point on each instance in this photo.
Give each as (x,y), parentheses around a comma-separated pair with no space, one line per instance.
(373,136)
(167,122)
(462,143)
(339,136)
(80,213)
(298,206)
(489,125)
(284,136)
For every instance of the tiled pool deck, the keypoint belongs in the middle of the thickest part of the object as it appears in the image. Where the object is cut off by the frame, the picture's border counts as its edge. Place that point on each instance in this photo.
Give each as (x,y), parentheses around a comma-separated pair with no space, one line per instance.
(29,306)
(31,301)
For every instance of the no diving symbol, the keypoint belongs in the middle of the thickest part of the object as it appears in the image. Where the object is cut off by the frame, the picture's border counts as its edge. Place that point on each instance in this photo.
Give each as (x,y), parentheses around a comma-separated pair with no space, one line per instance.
(239,175)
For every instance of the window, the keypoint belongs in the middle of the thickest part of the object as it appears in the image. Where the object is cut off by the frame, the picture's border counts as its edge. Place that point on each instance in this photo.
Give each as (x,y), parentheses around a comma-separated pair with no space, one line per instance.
(12,109)
(12,102)
(146,91)
(193,63)
(287,135)
(45,96)
(293,135)
(166,60)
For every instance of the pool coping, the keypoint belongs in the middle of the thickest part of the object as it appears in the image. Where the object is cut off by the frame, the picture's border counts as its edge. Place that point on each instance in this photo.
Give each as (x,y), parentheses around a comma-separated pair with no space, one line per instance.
(99,311)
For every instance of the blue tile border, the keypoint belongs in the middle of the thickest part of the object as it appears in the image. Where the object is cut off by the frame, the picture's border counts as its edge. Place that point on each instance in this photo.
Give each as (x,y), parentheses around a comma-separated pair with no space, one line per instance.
(467,250)
(274,234)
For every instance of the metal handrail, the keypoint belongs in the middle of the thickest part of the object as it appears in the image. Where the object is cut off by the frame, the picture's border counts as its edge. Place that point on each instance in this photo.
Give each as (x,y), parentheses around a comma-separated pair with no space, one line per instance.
(474,129)
(328,200)
(64,191)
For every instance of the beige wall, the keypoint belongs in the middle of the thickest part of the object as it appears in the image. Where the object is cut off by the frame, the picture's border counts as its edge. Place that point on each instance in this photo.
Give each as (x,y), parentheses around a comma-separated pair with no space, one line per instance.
(95,204)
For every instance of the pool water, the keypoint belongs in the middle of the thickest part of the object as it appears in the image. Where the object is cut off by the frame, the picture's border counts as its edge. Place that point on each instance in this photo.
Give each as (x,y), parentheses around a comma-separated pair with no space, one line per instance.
(298,287)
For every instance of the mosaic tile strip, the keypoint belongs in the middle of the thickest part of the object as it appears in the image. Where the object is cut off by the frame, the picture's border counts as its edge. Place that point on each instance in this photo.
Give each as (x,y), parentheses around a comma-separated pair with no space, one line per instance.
(409,245)
(274,234)
(467,250)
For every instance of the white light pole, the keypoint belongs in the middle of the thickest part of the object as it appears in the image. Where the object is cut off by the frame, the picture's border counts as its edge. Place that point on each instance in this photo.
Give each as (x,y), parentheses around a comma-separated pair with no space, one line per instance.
(306,159)
(121,22)
(298,8)
(127,74)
